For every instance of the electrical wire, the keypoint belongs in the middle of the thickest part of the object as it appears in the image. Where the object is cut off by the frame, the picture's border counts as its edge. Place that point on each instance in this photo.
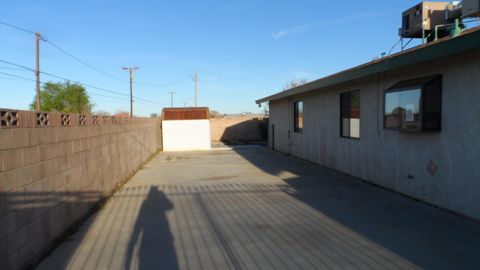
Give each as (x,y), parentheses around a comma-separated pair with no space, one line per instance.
(84,63)
(16,65)
(13,76)
(87,64)
(393,47)
(78,82)
(16,76)
(12,68)
(17,27)
(108,74)
(9,78)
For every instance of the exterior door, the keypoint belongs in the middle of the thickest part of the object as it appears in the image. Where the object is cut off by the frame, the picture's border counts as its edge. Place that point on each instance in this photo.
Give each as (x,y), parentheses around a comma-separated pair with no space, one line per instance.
(290,126)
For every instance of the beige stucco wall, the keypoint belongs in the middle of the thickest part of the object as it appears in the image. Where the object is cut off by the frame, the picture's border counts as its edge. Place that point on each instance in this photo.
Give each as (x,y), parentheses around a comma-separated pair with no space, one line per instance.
(394,159)
(51,176)
(236,129)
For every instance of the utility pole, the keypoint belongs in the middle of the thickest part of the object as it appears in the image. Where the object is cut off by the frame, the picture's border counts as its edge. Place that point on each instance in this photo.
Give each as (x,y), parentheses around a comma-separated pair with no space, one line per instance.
(37,70)
(195,78)
(131,69)
(185,104)
(171,98)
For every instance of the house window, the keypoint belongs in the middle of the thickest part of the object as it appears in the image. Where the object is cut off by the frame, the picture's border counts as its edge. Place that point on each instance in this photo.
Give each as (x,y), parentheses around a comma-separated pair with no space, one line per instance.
(402,109)
(298,116)
(414,105)
(350,114)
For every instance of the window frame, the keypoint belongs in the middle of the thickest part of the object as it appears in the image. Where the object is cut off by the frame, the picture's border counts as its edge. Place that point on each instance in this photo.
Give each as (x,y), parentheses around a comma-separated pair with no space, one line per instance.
(296,128)
(427,96)
(341,114)
(420,109)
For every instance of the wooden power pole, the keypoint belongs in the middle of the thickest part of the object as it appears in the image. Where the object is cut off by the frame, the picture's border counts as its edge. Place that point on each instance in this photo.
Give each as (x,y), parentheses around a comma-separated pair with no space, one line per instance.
(131,70)
(37,71)
(196,88)
(171,98)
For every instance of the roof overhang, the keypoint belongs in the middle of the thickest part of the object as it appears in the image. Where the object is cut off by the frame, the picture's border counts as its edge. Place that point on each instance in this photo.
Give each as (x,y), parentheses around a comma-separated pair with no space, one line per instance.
(469,39)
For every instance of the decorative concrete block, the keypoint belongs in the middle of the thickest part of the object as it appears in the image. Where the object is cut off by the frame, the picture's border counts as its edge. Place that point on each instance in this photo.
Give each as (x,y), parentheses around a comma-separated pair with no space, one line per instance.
(9,118)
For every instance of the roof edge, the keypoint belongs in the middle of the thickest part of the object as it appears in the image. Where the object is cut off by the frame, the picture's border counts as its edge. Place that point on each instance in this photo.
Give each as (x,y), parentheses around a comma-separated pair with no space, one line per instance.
(469,39)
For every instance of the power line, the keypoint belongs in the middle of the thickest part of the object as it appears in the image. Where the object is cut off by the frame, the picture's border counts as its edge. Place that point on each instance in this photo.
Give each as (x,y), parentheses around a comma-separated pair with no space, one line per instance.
(81,83)
(17,27)
(145,101)
(63,51)
(9,78)
(12,68)
(89,92)
(16,76)
(83,62)
(108,74)
(89,65)
(17,65)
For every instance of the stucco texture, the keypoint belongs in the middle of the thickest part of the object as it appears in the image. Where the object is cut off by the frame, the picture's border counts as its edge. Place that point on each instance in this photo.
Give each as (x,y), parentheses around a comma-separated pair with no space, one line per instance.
(394,159)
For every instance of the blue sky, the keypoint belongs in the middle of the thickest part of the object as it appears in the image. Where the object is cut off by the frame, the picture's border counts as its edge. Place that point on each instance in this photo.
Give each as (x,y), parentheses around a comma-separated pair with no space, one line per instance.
(242,50)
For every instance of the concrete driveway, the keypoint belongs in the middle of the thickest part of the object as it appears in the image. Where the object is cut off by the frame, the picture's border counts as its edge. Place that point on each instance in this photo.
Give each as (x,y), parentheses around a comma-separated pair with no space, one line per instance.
(251,208)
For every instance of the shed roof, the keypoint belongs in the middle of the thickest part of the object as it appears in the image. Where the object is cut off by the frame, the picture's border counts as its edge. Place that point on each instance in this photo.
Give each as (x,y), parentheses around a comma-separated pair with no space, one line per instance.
(469,39)
(194,113)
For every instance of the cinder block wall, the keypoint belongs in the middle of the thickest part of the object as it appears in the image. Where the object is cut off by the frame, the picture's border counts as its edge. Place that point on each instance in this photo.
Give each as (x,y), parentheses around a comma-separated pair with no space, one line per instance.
(54,167)
(236,129)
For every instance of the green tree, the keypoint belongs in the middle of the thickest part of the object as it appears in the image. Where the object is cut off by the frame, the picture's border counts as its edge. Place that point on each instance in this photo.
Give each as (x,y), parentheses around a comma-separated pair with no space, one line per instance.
(64,97)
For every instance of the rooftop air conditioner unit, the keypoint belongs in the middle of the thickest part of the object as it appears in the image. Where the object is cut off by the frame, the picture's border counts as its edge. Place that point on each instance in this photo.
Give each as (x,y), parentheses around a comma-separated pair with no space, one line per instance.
(453,11)
(422,17)
(471,8)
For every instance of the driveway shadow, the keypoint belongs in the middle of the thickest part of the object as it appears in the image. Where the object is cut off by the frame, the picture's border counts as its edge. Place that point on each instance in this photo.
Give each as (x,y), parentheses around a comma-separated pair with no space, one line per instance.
(425,235)
(151,242)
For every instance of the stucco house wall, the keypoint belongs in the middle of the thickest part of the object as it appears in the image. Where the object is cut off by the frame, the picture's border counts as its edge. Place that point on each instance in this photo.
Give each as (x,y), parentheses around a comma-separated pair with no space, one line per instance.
(394,159)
